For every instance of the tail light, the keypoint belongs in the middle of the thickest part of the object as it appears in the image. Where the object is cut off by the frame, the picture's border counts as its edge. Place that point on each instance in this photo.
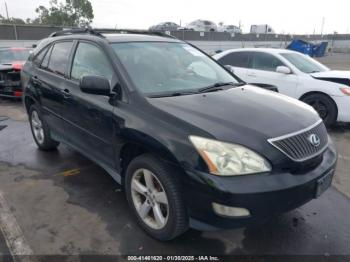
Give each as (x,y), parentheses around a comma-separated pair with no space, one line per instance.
(17,66)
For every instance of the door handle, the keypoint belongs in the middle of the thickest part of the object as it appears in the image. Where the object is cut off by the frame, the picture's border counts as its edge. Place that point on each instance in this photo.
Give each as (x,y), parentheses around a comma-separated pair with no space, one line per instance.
(252,74)
(35,79)
(66,93)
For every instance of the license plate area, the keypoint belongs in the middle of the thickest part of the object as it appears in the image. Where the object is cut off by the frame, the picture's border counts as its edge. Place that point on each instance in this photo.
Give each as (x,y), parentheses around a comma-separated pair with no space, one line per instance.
(324,183)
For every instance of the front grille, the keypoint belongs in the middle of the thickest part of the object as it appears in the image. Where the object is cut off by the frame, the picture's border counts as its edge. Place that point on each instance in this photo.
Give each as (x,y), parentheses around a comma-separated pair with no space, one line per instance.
(300,146)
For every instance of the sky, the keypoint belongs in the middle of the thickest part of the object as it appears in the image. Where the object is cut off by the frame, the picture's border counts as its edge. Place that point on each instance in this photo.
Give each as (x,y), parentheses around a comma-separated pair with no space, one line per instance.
(293,17)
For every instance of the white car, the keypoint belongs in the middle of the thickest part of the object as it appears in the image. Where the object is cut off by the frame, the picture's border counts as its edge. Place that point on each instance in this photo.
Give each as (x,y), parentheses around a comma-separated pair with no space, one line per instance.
(202,26)
(294,75)
(232,29)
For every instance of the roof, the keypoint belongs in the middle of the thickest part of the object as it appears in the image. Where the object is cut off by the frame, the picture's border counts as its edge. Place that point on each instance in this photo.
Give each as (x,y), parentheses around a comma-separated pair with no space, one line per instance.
(266,50)
(112,38)
(113,35)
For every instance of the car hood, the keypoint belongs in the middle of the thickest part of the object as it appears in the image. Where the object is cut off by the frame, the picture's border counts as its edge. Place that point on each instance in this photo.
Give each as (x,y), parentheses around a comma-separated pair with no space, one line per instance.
(242,115)
(332,74)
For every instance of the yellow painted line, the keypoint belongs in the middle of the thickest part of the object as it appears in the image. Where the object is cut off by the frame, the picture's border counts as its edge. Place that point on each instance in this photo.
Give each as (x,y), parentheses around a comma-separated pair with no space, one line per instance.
(71,172)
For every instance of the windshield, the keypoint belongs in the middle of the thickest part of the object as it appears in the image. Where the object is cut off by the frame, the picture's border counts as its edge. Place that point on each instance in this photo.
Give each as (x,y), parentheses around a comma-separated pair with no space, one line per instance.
(161,67)
(13,55)
(303,63)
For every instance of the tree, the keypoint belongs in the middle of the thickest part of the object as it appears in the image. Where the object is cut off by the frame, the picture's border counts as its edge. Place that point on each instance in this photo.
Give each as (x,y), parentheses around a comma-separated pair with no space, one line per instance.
(71,13)
(11,20)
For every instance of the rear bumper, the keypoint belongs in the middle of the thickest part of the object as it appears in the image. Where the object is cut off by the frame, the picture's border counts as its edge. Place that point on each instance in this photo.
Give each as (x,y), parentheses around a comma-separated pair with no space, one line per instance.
(264,195)
(343,103)
(12,91)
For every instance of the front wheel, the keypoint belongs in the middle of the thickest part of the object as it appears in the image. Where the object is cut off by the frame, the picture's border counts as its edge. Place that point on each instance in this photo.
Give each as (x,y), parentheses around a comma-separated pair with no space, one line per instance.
(324,106)
(154,195)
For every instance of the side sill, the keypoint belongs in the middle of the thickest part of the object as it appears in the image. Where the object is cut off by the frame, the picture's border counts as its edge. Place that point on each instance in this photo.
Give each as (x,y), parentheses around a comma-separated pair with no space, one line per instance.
(115,175)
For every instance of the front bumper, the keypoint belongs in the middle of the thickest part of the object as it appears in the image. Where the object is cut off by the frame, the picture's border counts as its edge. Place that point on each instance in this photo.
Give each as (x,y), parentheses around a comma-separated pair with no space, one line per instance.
(264,195)
(343,104)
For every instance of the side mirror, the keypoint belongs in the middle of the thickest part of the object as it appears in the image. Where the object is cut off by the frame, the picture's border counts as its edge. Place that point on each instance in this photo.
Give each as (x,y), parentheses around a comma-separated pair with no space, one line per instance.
(283,70)
(229,68)
(96,85)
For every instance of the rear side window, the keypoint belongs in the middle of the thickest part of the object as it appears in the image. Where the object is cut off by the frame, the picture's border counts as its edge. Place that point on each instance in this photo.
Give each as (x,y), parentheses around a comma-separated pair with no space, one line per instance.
(60,57)
(266,62)
(39,58)
(237,59)
(45,62)
(90,60)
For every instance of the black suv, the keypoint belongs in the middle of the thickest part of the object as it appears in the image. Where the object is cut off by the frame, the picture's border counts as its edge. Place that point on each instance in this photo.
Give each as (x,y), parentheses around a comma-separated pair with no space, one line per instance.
(192,145)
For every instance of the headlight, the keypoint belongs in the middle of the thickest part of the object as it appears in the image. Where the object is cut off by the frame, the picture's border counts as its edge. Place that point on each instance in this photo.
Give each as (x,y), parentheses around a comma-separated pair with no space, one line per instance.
(345,91)
(225,159)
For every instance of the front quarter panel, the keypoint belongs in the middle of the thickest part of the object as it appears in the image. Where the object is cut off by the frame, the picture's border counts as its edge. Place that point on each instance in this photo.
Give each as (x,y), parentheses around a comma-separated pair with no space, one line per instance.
(309,84)
(160,133)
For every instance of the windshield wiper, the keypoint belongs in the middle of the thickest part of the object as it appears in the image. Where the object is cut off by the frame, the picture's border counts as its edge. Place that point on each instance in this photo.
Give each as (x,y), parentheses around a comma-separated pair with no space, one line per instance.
(211,88)
(172,94)
(217,86)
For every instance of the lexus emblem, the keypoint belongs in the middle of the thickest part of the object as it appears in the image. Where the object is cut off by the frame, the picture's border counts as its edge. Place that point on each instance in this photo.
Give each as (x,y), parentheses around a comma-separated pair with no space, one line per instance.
(314,140)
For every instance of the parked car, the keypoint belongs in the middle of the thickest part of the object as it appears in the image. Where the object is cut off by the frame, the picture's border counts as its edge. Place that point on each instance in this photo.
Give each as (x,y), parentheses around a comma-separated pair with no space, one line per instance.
(295,75)
(261,29)
(202,26)
(166,26)
(232,29)
(191,144)
(11,62)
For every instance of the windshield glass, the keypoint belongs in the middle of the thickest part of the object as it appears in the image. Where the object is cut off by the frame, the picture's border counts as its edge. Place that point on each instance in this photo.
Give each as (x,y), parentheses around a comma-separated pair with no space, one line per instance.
(161,67)
(13,55)
(304,64)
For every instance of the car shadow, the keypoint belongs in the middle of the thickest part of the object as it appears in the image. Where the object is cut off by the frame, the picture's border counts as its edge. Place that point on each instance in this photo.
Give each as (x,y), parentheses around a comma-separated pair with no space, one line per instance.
(339,128)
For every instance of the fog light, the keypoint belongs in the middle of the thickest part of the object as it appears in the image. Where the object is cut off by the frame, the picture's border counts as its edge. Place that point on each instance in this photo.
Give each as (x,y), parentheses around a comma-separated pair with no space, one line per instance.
(230,211)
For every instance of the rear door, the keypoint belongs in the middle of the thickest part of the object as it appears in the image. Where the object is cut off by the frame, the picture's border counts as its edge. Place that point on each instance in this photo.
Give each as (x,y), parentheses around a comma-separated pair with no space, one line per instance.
(262,70)
(89,118)
(240,62)
(49,80)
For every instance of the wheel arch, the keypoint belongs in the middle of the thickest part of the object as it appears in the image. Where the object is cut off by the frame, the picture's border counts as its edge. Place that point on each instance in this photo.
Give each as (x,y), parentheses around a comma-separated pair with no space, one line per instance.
(131,150)
(28,102)
(319,93)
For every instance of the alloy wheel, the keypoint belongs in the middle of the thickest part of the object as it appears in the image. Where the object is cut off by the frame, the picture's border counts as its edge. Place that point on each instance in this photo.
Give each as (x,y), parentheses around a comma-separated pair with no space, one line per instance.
(37,127)
(150,199)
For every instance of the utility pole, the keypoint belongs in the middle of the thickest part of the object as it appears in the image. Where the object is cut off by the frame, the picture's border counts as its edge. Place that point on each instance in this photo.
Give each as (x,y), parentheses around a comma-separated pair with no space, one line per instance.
(322,25)
(8,19)
(7,12)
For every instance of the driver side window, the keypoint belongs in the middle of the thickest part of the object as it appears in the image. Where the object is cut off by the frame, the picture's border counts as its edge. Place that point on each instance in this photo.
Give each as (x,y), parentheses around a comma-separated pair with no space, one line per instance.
(266,62)
(90,60)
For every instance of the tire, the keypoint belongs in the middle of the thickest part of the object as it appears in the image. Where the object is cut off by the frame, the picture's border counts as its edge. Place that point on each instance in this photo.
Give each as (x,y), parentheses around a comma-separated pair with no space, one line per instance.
(44,141)
(325,107)
(176,221)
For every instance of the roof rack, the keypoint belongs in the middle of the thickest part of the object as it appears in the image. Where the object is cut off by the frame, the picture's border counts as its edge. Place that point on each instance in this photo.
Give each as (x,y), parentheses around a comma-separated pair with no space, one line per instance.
(100,32)
(73,31)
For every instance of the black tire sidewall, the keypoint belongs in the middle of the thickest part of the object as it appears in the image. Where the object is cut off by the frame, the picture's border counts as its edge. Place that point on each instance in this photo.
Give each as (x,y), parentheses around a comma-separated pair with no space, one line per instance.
(48,143)
(172,191)
(330,105)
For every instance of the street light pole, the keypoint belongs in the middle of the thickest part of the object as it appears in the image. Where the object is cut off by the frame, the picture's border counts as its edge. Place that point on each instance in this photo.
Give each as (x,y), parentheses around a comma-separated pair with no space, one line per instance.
(7,12)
